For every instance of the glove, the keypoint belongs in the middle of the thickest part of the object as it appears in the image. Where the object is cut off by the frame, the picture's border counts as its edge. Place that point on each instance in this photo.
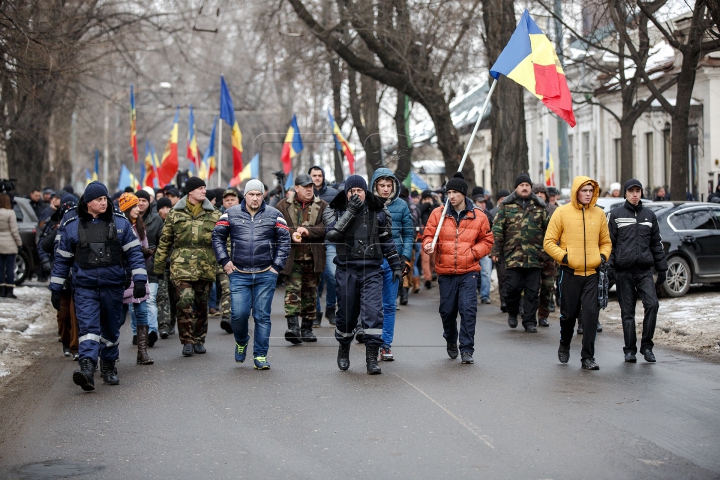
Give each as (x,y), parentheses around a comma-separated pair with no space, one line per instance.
(139,289)
(47,266)
(397,274)
(406,266)
(662,276)
(354,205)
(55,300)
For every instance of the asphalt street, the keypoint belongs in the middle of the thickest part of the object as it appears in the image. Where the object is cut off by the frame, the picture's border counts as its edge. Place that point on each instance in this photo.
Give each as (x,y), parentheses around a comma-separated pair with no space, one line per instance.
(516,413)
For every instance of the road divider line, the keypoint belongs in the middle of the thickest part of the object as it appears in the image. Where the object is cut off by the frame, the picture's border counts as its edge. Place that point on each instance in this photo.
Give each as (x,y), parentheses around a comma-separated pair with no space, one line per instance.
(467,426)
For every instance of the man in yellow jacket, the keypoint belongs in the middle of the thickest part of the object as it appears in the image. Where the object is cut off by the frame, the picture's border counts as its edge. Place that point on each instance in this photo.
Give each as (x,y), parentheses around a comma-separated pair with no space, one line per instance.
(579,240)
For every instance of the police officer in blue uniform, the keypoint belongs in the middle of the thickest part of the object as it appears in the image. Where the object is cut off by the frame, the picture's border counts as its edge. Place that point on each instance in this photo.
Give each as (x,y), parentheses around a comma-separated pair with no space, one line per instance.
(360,226)
(96,246)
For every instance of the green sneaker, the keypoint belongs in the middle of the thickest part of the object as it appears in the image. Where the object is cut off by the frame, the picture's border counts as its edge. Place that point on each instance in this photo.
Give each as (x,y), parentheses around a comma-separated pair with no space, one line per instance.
(240,352)
(261,363)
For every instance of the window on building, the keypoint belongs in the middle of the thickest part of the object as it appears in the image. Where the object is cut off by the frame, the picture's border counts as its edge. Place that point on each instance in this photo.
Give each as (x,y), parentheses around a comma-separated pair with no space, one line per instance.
(649,154)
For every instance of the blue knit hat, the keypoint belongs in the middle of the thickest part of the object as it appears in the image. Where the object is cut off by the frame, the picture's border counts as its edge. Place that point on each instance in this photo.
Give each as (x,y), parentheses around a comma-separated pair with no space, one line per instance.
(355,181)
(94,190)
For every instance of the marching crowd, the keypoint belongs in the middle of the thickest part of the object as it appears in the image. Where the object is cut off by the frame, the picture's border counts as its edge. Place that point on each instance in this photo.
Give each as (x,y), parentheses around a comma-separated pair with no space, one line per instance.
(170,259)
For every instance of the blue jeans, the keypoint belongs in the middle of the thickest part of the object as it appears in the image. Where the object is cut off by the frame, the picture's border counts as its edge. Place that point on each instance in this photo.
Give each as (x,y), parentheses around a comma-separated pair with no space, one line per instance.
(485,274)
(212,302)
(252,291)
(151,309)
(389,294)
(418,262)
(328,277)
(7,270)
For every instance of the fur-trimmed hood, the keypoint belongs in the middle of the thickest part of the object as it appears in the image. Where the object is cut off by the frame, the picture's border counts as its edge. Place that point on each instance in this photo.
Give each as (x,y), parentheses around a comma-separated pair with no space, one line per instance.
(513,197)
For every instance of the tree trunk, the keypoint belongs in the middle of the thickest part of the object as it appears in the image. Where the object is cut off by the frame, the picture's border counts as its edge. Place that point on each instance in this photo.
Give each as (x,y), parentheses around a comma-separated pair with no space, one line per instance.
(404,142)
(680,119)
(365,111)
(509,148)
(336,82)
(626,150)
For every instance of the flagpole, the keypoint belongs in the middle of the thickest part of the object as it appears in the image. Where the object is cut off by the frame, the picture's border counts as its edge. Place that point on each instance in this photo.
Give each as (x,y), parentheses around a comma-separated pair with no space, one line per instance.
(219,170)
(462,162)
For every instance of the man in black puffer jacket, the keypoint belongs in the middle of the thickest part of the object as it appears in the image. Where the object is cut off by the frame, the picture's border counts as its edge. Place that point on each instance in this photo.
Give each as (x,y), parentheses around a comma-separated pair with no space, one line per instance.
(637,247)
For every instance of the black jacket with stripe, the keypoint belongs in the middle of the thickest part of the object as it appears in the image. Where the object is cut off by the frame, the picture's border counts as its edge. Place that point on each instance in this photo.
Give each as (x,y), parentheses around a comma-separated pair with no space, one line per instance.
(636,241)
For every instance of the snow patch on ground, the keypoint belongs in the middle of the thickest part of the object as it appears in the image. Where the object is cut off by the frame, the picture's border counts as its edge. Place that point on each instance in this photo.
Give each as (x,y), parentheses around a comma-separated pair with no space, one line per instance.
(688,323)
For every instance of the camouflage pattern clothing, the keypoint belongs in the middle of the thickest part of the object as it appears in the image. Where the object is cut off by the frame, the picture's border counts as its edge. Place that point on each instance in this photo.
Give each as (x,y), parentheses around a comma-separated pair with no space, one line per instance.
(519,230)
(301,290)
(223,282)
(193,311)
(166,320)
(547,287)
(192,264)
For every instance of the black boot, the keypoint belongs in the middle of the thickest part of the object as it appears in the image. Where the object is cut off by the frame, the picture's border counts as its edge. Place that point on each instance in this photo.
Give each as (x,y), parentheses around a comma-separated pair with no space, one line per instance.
(371,355)
(292,334)
(226,325)
(306,333)
(164,331)
(85,377)
(330,315)
(2,291)
(9,291)
(343,359)
(403,296)
(109,372)
(142,340)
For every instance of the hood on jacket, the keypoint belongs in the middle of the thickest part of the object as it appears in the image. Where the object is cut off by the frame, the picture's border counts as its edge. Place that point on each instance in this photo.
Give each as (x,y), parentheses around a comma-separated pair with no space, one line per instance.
(385,173)
(318,167)
(83,214)
(373,202)
(182,203)
(513,196)
(579,182)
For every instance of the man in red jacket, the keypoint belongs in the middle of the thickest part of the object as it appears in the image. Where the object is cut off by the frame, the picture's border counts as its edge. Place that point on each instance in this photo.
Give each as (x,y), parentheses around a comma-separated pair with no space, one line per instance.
(465,238)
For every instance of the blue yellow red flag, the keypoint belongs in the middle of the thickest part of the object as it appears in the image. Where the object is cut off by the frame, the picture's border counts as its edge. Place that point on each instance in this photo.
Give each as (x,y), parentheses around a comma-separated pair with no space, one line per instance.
(127,179)
(549,166)
(341,144)
(227,113)
(207,166)
(133,124)
(148,171)
(529,59)
(192,148)
(96,173)
(292,146)
(251,170)
(169,165)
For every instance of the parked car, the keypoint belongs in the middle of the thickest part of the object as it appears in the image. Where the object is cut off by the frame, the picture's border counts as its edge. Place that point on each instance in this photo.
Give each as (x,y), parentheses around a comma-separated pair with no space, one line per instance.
(610,203)
(691,237)
(27,259)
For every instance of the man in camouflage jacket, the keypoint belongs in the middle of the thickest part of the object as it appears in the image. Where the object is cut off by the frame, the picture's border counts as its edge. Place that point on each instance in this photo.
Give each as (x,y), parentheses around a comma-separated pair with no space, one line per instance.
(188,233)
(519,230)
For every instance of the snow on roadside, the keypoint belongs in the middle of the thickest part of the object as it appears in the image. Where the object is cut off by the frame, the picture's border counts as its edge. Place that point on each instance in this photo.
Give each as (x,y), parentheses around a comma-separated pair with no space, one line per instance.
(22,322)
(690,323)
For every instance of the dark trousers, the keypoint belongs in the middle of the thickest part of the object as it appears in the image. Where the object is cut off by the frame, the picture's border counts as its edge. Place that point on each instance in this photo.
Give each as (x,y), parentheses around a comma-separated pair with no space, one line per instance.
(521,280)
(579,296)
(630,287)
(7,270)
(100,314)
(547,287)
(458,294)
(502,278)
(359,299)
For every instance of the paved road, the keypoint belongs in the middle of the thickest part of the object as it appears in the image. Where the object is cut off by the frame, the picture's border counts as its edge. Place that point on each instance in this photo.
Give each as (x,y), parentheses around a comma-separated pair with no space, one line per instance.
(516,413)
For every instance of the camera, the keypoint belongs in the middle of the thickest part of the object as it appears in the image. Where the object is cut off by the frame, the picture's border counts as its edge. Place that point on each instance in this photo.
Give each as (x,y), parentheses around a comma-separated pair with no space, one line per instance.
(7,184)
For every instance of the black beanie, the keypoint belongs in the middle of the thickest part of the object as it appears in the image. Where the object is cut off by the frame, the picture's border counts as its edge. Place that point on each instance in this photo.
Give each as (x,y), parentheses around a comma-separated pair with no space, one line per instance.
(457,183)
(426,194)
(193,183)
(502,193)
(143,194)
(477,191)
(522,178)
(164,202)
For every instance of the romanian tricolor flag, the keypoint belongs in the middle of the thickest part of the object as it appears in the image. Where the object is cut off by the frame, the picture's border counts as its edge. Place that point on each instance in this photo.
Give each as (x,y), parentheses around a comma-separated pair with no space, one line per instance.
(148,172)
(549,166)
(207,167)
(341,144)
(133,124)
(169,165)
(96,173)
(192,149)
(292,146)
(251,170)
(530,60)
(127,179)
(227,113)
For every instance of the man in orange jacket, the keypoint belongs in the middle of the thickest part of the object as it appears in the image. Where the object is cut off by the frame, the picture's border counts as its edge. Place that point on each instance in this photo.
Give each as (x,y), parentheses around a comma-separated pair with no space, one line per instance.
(579,240)
(464,239)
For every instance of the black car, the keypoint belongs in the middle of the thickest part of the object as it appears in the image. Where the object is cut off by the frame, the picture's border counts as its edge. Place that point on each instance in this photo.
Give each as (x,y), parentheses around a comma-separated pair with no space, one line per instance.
(691,238)
(27,259)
